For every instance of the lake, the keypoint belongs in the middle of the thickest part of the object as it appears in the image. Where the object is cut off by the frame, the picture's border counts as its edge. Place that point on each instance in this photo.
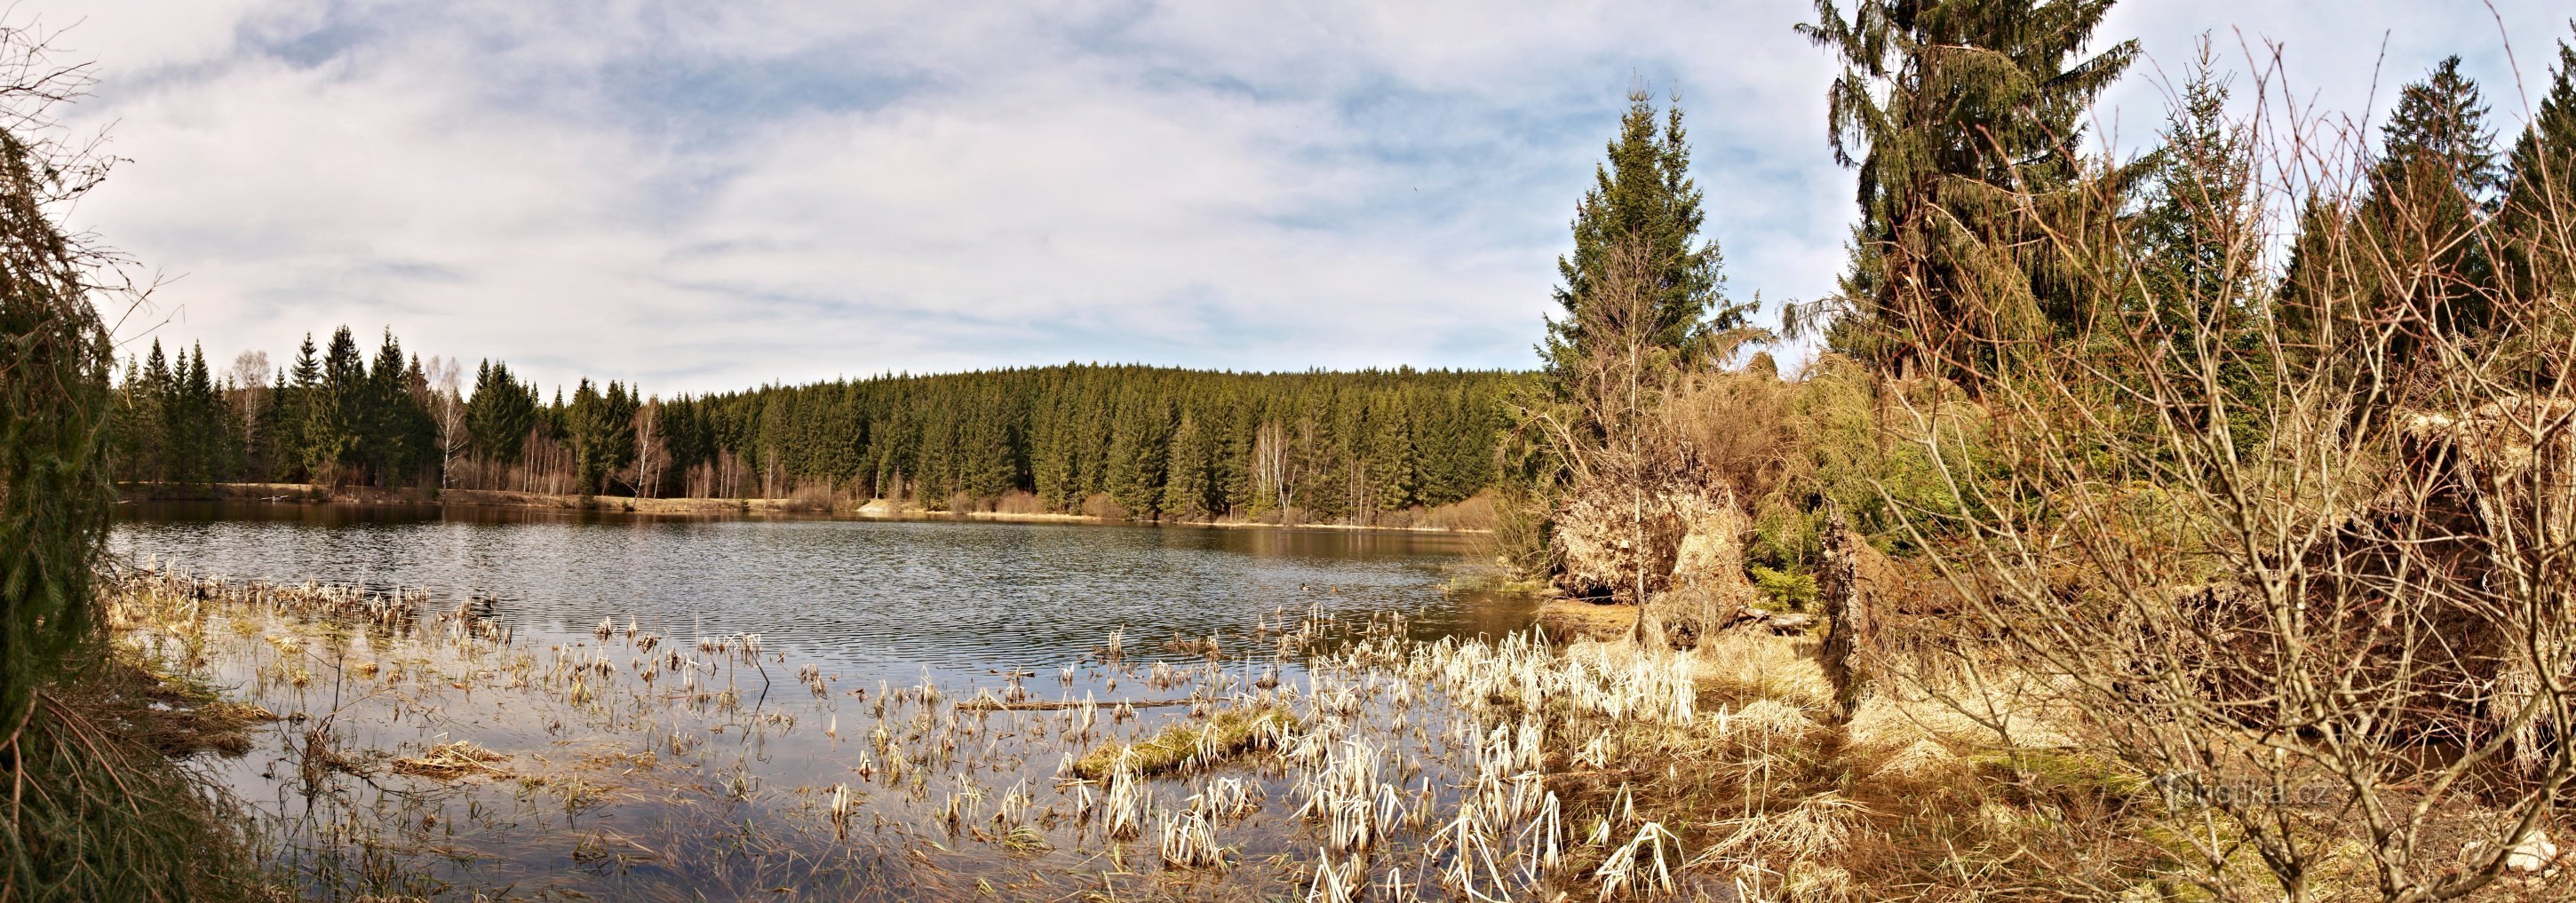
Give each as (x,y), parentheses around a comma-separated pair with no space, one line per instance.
(874,598)
(546,704)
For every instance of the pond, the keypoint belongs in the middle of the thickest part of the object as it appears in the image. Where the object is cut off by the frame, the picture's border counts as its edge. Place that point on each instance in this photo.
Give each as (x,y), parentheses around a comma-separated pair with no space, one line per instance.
(880,599)
(505,703)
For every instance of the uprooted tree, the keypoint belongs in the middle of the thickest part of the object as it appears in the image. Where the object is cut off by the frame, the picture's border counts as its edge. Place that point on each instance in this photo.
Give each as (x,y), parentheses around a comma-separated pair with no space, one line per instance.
(1632,516)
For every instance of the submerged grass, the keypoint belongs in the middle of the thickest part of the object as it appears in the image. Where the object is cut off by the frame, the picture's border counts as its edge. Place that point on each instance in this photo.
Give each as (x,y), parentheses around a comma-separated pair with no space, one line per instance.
(1189,744)
(1335,759)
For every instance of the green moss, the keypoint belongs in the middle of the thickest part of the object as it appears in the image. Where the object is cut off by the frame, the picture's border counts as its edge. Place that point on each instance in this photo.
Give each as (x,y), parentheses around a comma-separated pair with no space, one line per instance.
(2069,774)
(1227,733)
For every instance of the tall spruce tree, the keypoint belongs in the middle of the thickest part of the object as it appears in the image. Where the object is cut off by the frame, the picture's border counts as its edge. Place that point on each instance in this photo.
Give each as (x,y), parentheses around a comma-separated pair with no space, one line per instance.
(2537,224)
(196,417)
(2196,231)
(1961,117)
(500,414)
(148,406)
(2429,193)
(1644,193)
(336,413)
(1190,490)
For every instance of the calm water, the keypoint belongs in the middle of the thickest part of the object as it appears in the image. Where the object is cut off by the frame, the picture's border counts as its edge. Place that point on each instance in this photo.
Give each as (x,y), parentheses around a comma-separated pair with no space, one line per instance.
(869,597)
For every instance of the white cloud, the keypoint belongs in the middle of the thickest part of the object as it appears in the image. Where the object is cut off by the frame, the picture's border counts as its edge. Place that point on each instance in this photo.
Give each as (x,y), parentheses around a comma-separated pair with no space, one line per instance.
(710,195)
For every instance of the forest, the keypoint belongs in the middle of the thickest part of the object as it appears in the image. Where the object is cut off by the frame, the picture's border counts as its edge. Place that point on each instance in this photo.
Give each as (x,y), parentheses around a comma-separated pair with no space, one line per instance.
(1133,441)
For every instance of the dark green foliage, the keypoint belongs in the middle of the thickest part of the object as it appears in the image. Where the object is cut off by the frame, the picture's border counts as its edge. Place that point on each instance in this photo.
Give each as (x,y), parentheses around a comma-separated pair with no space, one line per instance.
(2200,283)
(2196,227)
(399,441)
(1785,590)
(1644,194)
(2429,193)
(1961,117)
(54,426)
(500,414)
(2539,254)
(1159,442)
(335,415)
(601,428)
(1641,306)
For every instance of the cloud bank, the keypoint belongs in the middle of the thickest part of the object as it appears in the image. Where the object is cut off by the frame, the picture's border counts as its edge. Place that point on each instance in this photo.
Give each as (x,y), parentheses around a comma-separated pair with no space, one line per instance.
(704,196)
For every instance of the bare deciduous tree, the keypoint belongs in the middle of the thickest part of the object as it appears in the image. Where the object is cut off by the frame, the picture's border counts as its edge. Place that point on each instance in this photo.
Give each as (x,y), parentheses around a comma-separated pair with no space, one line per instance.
(652,454)
(447,409)
(1275,467)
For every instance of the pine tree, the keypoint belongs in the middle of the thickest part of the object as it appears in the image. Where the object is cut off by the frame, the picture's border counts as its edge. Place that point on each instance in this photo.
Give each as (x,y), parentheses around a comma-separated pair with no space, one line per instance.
(1190,490)
(335,415)
(1960,116)
(2538,235)
(2429,194)
(1644,195)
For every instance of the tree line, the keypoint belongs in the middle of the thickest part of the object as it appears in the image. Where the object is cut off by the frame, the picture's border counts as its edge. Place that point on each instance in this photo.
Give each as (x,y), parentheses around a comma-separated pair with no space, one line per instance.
(1966,126)
(1989,235)
(1146,441)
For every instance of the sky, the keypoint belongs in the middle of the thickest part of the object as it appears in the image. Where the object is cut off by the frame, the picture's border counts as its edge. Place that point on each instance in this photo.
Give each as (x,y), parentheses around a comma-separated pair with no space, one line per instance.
(701,196)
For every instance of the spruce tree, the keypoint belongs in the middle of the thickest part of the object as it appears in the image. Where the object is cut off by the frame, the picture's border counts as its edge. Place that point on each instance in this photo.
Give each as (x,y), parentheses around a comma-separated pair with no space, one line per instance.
(386,414)
(2537,224)
(1644,194)
(1391,459)
(151,407)
(2195,230)
(2429,194)
(335,416)
(199,422)
(1961,117)
(1136,459)
(271,432)
(500,414)
(1190,492)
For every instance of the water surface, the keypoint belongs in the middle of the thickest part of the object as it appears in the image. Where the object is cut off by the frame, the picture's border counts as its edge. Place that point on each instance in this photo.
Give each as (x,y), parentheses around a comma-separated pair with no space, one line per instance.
(882,598)
(688,768)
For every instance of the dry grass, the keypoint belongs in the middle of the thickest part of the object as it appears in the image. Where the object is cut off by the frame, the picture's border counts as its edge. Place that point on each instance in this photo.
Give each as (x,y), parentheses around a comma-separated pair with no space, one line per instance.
(450,761)
(1188,745)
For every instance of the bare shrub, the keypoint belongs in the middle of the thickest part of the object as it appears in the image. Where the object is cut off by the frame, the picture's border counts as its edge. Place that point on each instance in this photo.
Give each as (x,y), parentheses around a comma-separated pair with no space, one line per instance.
(2303,563)
(1019,502)
(1739,424)
(1101,506)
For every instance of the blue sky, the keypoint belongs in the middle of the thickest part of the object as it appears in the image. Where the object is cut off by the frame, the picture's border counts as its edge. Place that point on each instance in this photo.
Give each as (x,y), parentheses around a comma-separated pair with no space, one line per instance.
(703,196)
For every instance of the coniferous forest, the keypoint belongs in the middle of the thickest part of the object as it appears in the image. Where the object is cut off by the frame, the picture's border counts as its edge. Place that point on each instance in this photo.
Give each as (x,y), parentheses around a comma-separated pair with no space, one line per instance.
(1129,441)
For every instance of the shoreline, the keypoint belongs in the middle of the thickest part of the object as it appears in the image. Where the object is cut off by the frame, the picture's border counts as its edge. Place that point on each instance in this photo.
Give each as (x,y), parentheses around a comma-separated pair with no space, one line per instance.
(873,509)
